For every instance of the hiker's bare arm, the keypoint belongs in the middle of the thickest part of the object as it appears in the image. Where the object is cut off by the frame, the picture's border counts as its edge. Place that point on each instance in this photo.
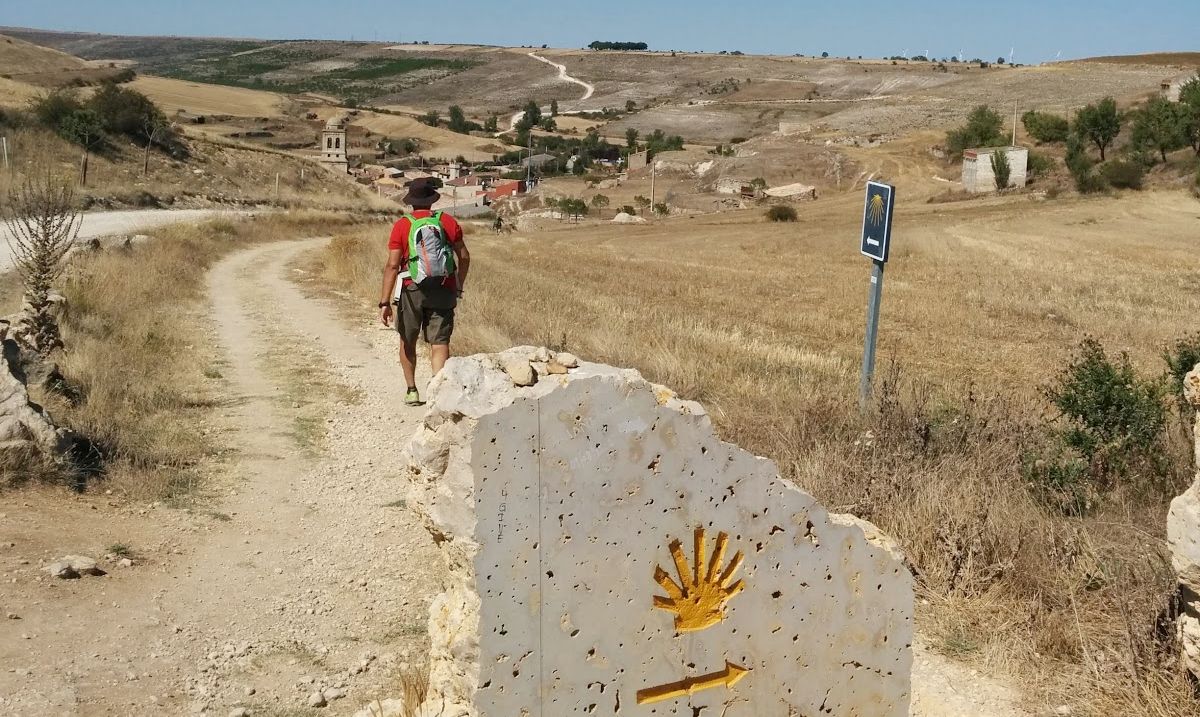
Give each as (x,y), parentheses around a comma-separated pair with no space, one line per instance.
(464,262)
(390,271)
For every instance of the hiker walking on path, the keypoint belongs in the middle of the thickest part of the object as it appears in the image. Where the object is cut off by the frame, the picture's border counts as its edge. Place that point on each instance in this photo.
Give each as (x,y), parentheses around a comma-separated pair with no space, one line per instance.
(426,252)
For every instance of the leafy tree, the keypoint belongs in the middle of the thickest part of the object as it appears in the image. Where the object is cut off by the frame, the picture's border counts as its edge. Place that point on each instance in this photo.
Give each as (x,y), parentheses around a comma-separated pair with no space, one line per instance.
(642,202)
(53,108)
(637,46)
(600,203)
(1161,125)
(1000,60)
(1045,127)
(458,120)
(1001,169)
(630,106)
(631,138)
(758,184)
(983,129)
(661,209)
(1099,123)
(533,113)
(553,108)
(1189,97)
(491,124)
(84,128)
(431,118)
(824,54)
(548,124)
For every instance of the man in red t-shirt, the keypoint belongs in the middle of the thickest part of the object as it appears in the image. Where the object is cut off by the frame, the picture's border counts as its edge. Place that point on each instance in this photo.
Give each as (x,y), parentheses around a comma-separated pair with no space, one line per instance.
(422,309)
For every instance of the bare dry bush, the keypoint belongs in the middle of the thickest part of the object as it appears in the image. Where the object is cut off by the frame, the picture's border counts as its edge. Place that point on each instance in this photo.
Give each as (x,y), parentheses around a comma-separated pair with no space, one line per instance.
(43,222)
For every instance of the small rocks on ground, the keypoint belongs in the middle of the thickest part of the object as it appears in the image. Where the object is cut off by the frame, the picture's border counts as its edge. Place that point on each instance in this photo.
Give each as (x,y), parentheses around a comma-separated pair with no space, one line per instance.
(316,699)
(73,566)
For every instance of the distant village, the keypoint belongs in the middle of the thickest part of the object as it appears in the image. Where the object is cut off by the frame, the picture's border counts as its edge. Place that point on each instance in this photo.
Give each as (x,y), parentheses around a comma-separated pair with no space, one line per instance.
(466,188)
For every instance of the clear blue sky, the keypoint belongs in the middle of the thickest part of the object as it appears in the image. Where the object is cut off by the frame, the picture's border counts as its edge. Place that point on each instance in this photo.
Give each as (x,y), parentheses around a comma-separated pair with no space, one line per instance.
(1038,29)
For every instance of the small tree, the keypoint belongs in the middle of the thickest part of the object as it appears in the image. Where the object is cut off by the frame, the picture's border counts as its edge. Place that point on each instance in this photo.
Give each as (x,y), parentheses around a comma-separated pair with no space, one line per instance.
(553,108)
(631,138)
(83,127)
(491,124)
(1161,125)
(431,118)
(824,54)
(458,120)
(153,127)
(533,113)
(758,185)
(1099,123)
(642,202)
(1189,97)
(548,124)
(600,203)
(1001,169)
(661,209)
(42,226)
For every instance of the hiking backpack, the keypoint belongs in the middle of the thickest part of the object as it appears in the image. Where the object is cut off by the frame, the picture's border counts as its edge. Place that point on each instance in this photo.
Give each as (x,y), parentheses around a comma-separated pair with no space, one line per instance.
(430,258)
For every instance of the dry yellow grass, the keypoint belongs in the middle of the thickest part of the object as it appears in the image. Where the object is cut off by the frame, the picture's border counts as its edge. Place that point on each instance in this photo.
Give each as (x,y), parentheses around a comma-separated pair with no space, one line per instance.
(16,94)
(18,57)
(983,303)
(174,95)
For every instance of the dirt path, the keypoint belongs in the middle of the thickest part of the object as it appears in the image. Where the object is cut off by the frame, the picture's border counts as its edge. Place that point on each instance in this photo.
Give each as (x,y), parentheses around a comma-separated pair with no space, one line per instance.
(588,89)
(309,574)
(103,224)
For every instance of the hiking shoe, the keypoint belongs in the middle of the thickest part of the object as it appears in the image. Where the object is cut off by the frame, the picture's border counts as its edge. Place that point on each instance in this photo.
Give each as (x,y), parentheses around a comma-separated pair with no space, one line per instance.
(412,398)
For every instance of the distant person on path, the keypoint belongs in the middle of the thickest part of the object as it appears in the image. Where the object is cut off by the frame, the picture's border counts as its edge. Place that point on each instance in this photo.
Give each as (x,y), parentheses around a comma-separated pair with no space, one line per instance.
(426,252)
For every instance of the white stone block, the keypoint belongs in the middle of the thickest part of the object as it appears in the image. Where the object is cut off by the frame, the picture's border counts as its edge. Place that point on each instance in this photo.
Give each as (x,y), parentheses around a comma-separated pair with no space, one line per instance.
(566,512)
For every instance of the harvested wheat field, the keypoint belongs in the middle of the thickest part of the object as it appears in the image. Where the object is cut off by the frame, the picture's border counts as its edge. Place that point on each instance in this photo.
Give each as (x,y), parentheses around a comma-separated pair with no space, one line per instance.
(983,304)
(180,95)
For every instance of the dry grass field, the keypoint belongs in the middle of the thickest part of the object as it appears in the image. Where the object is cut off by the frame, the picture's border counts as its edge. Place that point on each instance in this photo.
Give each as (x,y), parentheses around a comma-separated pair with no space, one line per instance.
(983,306)
(175,95)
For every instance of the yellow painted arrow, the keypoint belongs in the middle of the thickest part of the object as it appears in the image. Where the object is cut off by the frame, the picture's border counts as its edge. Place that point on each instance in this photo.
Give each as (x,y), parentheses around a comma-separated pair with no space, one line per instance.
(674,690)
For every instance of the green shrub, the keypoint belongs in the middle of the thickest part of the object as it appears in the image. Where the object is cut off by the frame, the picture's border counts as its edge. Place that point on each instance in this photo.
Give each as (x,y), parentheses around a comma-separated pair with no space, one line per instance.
(983,129)
(1080,165)
(629,210)
(1040,164)
(1001,169)
(1045,127)
(1061,481)
(1124,174)
(1114,418)
(782,213)
(1181,357)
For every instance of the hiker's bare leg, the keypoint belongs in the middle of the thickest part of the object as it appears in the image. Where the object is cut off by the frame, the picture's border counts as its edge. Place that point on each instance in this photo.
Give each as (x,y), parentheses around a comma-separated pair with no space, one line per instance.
(438,353)
(408,361)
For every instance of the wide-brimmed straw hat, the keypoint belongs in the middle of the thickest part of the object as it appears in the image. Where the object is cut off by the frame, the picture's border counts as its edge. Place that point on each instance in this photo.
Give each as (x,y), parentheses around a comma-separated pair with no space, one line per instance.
(422,190)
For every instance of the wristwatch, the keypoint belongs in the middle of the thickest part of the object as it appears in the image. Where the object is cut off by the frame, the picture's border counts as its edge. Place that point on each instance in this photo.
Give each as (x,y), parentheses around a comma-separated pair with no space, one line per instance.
(384,304)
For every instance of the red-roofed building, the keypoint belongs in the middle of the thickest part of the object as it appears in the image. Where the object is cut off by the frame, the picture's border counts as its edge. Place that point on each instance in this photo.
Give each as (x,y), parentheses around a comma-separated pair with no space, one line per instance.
(505,190)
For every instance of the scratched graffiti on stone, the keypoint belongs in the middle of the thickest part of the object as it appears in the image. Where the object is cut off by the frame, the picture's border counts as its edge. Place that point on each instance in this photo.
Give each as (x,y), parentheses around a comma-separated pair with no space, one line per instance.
(607,554)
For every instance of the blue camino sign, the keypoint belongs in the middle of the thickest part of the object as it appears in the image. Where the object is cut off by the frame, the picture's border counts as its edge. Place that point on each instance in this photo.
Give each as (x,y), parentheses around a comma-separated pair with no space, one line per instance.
(877,221)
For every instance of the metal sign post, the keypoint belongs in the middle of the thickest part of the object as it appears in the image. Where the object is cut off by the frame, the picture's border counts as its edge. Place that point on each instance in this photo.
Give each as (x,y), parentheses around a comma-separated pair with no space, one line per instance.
(876,244)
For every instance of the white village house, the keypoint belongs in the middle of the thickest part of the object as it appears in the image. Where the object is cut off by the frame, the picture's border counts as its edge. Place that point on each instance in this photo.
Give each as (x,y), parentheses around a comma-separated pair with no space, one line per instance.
(977,174)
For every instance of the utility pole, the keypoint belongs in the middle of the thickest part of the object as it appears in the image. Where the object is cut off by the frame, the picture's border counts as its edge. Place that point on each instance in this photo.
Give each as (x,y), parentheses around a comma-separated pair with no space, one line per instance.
(1015,110)
(653,173)
(4,143)
(529,162)
(277,186)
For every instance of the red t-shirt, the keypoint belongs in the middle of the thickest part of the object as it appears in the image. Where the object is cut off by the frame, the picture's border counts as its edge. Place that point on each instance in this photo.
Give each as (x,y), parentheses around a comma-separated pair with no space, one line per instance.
(399,240)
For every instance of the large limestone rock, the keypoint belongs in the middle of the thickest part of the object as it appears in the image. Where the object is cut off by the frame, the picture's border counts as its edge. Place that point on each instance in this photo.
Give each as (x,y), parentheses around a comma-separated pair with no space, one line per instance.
(1183,536)
(607,554)
(26,431)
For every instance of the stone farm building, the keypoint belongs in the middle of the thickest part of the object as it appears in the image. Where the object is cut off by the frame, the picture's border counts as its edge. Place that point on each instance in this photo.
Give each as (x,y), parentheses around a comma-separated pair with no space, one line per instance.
(977,174)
